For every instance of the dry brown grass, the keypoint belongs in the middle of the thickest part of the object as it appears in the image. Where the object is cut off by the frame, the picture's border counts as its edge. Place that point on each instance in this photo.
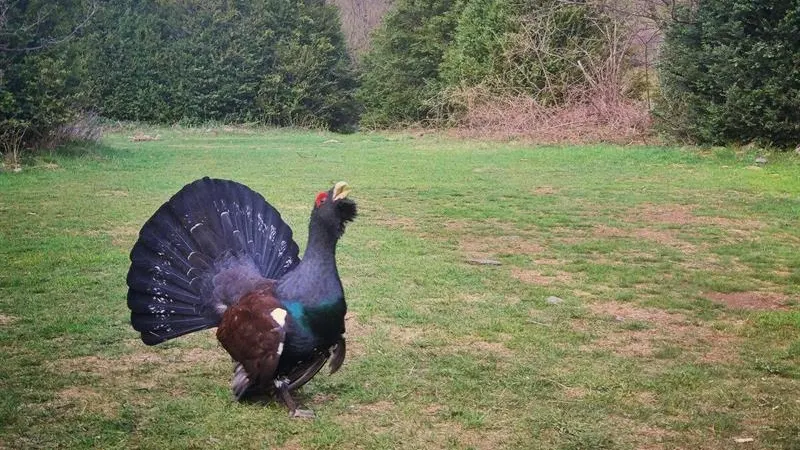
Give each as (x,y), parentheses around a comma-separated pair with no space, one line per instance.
(477,246)
(545,190)
(535,277)
(359,334)
(589,120)
(662,330)
(111,193)
(6,319)
(749,300)
(666,237)
(674,214)
(122,236)
(141,137)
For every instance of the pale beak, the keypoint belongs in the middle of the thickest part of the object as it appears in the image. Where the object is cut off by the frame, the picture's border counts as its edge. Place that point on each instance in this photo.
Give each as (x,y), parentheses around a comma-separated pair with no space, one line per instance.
(340,190)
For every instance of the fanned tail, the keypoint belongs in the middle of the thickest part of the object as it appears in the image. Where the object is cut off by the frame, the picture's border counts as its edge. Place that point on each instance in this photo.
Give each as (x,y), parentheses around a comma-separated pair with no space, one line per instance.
(209,244)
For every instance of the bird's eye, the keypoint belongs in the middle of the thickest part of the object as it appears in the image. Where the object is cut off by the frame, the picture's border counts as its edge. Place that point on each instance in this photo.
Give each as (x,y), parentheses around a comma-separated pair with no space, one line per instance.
(321,198)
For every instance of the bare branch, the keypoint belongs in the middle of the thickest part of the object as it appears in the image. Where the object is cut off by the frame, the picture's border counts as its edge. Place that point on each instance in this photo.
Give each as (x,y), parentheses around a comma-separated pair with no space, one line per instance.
(44,42)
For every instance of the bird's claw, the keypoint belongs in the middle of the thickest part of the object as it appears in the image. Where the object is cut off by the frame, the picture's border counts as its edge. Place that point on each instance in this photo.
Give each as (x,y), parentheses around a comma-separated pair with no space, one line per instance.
(302,414)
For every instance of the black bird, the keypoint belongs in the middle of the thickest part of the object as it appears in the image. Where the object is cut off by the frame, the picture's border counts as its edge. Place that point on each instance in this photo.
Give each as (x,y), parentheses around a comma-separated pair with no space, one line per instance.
(218,255)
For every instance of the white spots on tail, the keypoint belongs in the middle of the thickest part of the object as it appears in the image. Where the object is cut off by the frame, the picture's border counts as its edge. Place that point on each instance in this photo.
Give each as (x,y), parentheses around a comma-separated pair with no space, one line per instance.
(279,316)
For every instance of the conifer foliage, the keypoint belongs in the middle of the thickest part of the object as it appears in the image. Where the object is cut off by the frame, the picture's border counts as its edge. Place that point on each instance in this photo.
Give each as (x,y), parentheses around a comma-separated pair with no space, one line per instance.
(281,62)
(278,62)
(729,73)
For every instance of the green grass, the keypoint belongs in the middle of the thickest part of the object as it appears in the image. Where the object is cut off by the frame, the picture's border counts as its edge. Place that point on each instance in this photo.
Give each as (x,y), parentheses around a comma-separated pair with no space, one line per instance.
(679,271)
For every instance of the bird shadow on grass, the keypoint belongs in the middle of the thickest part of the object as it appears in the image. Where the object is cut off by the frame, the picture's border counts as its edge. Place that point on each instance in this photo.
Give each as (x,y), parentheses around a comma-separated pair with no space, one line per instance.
(266,399)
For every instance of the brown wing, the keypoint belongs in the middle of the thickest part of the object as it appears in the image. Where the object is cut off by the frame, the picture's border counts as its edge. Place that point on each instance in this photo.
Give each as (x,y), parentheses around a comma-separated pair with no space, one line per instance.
(252,331)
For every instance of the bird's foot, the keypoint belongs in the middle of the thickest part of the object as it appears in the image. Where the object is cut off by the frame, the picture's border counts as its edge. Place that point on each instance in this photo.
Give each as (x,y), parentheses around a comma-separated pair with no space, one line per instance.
(302,414)
(283,390)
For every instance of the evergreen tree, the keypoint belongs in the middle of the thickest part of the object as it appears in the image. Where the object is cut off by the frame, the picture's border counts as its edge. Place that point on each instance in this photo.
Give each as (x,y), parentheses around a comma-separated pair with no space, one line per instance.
(281,62)
(401,71)
(729,73)
(39,84)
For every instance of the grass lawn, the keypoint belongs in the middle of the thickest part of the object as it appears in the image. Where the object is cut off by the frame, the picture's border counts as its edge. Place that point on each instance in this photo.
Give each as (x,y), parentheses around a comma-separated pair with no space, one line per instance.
(678,271)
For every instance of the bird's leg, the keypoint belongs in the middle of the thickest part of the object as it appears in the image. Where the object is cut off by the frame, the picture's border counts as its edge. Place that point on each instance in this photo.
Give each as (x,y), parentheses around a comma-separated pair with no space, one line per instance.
(239,382)
(282,386)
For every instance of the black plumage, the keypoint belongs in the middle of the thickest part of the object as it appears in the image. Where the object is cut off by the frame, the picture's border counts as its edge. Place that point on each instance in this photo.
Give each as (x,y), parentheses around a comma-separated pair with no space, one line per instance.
(218,255)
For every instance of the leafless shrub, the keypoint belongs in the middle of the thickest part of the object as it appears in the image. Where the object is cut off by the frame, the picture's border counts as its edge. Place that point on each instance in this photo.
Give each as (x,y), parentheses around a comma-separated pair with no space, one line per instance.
(15,141)
(359,18)
(11,146)
(86,128)
(600,105)
(587,118)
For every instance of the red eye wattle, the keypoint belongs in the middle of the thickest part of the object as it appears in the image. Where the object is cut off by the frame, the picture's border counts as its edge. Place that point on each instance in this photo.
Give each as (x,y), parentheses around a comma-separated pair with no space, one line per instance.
(321,198)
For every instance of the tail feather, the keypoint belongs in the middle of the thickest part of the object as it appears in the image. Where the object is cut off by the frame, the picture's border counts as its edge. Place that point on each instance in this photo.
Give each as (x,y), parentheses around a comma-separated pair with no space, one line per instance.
(211,242)
(155,331)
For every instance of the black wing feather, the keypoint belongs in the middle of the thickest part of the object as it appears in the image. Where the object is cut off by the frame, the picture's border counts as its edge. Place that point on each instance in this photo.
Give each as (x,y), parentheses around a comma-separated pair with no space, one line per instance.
(200,250)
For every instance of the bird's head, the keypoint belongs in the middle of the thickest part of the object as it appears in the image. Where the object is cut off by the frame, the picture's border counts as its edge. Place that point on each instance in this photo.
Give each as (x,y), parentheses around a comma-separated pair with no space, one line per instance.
(333,210)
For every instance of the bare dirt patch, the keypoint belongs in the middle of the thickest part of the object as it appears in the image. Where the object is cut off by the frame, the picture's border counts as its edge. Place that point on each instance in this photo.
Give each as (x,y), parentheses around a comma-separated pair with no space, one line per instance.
(379,407)
(88,399)
(471,437)
(141,137)
(455,225)
(535,277)
(484,246)
(625,311)
(659,330)
(545,190)
(674,214)
(358,334)
(320,398)
(403,223)
(669,214)
(531,276)
(77,401)
(485,348)
(428,427)
(602,230)
(644,437)
(175,358)
(575,392)
(375,212)
(749,300)
(123,236)
(663,237)
(547,261)
(111,193)
(291,444)
(646,398)
(6,319)
(433,409)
